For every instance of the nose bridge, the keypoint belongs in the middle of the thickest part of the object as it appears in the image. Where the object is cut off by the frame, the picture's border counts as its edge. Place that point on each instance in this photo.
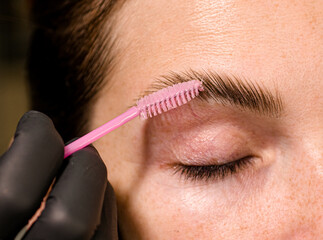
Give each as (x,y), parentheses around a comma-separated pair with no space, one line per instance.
(306,185)
(309,153)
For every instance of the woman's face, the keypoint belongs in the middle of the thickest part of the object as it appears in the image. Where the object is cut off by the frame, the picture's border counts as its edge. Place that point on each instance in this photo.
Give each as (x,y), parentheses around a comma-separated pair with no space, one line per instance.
(219,169)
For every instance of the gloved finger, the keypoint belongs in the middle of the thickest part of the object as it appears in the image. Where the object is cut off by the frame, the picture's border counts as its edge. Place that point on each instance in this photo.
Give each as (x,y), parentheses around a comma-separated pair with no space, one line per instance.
(73,208)
(26,171)
(108,228)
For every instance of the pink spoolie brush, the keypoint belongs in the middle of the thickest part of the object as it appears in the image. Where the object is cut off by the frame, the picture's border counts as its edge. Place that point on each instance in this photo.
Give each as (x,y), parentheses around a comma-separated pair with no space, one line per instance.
(148,106)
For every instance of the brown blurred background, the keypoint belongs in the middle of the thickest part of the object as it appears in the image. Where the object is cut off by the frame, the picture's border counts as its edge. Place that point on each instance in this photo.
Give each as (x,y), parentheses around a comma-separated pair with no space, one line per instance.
(14,36)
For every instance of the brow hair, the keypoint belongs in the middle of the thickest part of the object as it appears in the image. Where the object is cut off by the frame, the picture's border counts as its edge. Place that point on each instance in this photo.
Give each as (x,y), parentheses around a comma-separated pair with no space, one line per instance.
(227,89)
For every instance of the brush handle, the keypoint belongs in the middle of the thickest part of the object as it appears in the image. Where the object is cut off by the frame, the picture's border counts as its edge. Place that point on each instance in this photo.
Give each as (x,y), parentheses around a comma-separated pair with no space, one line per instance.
(101,131)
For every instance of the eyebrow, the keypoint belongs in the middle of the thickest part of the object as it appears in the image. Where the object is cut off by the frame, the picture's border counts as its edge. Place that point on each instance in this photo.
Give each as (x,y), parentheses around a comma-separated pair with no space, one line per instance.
(226,89)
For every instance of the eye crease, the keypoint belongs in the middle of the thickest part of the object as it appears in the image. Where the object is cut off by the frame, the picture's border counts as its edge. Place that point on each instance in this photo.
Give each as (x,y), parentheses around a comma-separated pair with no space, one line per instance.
(213,172)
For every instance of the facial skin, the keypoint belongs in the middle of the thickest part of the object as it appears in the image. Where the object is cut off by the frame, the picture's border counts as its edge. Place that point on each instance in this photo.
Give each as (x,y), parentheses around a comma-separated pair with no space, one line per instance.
(276,44)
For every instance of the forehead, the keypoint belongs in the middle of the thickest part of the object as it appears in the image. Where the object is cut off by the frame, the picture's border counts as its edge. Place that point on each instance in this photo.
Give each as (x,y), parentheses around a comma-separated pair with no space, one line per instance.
(172,30)
(268,41)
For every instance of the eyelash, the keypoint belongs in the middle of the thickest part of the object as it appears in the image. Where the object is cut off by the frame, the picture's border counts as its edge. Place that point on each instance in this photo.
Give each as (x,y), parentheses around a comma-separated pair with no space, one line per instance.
(213,172)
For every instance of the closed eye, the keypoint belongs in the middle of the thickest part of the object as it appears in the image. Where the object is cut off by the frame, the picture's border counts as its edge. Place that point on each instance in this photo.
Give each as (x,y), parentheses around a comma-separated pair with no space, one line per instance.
(213,172)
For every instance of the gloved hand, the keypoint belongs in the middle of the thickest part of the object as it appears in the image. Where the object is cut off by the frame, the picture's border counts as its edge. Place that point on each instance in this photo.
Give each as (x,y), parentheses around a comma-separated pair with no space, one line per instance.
(81,204)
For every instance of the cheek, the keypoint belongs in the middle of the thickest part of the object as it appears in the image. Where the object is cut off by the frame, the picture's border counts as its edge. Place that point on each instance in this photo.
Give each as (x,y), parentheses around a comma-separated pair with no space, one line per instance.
(155,208)
(159,211)
(162,210)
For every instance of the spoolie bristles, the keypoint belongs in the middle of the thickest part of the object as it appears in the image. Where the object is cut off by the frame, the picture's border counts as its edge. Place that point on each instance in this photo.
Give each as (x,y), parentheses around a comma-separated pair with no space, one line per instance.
(168,98)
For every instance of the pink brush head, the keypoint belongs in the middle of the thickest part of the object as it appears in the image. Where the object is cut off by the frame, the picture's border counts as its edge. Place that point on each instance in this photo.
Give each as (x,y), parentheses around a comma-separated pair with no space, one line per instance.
(168,98)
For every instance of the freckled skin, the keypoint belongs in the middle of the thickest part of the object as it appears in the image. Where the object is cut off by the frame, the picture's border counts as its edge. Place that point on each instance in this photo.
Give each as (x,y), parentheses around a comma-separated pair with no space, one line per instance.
(277,44)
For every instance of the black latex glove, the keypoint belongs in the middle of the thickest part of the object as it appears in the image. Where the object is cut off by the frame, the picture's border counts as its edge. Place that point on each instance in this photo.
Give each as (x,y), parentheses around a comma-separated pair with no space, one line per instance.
(81,204)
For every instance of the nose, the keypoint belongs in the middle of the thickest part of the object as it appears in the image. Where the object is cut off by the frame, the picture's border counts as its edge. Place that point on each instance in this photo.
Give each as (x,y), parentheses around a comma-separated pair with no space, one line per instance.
(306,194)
